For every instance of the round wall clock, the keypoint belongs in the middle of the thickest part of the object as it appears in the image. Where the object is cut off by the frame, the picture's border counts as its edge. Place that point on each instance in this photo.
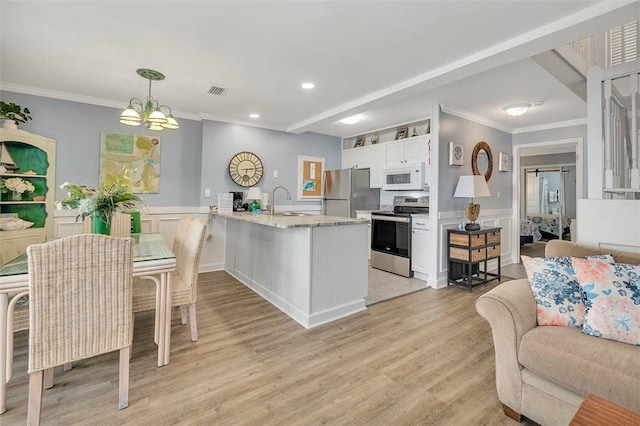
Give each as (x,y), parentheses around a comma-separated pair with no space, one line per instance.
(245,168)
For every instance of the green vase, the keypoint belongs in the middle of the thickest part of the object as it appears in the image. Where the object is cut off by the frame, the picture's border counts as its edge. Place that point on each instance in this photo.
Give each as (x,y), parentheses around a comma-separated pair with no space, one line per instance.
(254,206)
(100,223)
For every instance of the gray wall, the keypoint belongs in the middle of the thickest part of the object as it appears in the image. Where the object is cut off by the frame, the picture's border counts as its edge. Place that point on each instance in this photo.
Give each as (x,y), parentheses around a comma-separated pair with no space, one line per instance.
(550,159)
(277,150)
(469,133)
(562,133)
(197,153)
(76,128)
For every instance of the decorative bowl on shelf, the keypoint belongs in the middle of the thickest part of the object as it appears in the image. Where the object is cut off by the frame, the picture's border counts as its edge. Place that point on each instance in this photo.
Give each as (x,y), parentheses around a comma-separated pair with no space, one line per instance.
(13,224)
(38,198)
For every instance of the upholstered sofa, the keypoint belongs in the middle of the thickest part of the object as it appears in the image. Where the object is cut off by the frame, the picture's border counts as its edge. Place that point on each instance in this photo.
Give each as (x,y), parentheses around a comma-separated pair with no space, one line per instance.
(545,372)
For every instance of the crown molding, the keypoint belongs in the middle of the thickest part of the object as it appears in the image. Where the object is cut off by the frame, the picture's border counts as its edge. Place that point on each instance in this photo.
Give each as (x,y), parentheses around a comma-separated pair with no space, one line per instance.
(35,91)
(475,118)
(550,126)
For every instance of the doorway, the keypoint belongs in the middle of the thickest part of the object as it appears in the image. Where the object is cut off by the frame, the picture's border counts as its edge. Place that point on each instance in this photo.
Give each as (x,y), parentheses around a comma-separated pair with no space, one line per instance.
(554,192)
(550,200)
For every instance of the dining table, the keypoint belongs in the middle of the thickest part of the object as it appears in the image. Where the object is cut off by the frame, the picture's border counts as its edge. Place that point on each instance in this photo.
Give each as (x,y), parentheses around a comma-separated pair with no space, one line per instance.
(152,257)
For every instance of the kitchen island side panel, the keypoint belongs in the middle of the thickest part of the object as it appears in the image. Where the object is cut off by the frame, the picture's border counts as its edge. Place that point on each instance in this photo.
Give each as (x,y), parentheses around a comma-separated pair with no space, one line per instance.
(273,262)
(339,270)
(279,265)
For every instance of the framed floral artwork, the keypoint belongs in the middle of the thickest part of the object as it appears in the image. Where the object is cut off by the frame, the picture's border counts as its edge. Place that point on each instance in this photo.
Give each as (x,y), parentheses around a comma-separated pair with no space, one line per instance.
(456,154)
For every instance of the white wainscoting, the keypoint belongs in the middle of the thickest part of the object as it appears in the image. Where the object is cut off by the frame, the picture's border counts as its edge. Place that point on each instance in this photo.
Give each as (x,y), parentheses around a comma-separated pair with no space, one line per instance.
(165,221)
(488,218)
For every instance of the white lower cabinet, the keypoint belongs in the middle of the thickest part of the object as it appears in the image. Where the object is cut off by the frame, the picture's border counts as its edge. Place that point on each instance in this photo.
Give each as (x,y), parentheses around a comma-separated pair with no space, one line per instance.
(419,243)
(363,215)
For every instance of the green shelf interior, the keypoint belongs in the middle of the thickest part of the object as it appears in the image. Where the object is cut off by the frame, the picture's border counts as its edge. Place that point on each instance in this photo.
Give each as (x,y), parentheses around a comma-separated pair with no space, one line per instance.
(28,158)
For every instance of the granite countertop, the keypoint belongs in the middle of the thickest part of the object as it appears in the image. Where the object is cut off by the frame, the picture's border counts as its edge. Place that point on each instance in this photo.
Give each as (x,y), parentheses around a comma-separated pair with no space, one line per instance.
(278,221)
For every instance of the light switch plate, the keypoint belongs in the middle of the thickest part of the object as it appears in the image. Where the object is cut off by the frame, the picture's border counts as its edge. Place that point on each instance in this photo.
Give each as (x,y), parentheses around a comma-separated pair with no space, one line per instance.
(207,193)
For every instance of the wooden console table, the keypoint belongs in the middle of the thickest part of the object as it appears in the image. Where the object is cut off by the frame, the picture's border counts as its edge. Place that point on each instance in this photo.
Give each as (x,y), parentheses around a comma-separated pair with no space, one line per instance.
(597,411)
(466,250)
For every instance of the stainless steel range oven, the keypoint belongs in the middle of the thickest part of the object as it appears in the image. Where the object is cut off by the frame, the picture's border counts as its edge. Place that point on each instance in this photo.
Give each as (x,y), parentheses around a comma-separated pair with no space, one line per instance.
(391,235)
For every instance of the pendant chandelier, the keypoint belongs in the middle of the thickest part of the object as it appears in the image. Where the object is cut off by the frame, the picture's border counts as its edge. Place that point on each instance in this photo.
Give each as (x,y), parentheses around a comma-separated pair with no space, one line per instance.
(150,112)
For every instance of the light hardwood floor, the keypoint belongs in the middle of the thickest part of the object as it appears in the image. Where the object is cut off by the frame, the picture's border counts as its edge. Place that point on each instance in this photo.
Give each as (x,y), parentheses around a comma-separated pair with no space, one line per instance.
(422,359)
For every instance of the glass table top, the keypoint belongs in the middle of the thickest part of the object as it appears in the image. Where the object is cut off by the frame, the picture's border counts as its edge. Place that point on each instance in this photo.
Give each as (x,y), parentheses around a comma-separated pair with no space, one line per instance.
(148,246)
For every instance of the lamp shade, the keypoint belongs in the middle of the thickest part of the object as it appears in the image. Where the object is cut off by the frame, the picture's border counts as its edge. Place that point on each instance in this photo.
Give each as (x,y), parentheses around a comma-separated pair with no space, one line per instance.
(254,193)
(472,187)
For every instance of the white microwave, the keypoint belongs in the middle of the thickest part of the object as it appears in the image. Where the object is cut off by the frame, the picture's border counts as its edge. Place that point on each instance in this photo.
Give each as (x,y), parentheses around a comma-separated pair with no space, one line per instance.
(409,177)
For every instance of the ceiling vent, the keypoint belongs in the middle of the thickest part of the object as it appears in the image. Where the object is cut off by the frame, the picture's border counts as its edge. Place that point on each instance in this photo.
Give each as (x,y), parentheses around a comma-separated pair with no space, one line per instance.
(218,91)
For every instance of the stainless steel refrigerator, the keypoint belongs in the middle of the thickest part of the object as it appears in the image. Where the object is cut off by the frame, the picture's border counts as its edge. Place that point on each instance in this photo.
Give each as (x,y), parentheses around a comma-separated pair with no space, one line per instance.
(346,191)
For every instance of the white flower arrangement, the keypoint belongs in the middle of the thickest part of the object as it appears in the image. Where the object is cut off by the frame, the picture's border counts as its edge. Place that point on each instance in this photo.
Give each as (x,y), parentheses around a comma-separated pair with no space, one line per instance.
(18,185)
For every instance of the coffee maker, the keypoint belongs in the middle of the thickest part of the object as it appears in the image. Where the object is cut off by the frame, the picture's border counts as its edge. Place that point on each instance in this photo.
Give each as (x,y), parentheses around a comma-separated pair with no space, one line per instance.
(237,201)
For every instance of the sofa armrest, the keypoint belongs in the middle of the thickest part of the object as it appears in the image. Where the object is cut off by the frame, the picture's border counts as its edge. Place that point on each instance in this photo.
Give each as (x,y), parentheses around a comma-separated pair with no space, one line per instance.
(510,309)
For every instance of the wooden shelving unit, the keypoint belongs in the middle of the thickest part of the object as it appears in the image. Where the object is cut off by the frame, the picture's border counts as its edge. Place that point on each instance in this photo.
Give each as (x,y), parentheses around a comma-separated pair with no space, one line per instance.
(37,154)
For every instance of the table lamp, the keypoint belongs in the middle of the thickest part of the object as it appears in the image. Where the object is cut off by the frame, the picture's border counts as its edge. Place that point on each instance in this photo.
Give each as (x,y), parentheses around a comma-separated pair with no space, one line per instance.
(472,187)
(254,194)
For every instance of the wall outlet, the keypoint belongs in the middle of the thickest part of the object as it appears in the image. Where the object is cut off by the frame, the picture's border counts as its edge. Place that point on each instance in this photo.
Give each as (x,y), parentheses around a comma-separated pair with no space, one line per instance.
(207,192)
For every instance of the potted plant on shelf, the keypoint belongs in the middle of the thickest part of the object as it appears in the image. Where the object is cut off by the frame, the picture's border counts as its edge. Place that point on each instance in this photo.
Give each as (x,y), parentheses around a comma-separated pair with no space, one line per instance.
(12,114)
(15,187)
(100,203)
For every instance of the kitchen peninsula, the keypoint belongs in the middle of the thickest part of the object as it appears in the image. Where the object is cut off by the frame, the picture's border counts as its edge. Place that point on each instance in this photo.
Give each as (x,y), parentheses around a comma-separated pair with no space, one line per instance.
(312,267)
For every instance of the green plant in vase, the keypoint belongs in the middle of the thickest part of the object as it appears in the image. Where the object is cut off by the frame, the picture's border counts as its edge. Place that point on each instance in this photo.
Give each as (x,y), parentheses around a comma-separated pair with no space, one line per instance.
(12,113)
(100,203)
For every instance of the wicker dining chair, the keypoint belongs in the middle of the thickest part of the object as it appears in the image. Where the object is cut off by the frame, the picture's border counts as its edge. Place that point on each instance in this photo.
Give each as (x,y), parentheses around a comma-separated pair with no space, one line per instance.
(79,307)
(184,281)
(120,225)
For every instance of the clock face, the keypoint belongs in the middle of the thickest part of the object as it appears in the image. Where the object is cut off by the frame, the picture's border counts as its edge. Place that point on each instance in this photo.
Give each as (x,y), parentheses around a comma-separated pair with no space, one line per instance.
(245,168)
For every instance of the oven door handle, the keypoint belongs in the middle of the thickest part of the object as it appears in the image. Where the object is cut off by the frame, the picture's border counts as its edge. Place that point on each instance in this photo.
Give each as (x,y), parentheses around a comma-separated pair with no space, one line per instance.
(391,218)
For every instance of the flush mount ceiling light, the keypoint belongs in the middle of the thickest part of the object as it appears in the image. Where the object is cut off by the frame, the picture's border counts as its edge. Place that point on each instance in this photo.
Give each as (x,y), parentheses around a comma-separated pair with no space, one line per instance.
(148,113)
(254,115)
(308,86)
(351,120)
(519,109)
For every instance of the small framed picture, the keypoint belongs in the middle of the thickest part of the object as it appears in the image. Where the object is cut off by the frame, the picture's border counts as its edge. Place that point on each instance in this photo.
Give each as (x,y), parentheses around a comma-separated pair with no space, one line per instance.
(402,133)
(374,139)
(456,154)
(503,162)
(359,141)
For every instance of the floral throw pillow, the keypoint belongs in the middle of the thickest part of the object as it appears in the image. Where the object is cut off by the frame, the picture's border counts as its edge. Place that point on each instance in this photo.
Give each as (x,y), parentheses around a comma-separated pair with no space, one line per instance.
(556,290)
(612,298)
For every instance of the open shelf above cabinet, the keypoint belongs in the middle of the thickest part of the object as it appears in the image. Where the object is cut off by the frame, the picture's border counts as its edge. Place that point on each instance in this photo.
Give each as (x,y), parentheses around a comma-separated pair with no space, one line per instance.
(389,134)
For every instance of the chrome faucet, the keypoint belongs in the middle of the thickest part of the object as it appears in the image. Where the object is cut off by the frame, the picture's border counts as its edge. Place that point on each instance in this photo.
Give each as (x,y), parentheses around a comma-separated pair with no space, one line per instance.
(272,208)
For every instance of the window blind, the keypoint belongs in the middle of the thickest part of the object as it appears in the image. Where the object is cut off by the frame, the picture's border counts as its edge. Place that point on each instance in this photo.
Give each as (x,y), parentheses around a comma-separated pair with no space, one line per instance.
(623,43)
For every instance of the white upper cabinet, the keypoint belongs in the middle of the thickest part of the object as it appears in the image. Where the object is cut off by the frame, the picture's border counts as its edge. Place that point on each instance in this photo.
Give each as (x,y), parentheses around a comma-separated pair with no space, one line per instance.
(363,157)
(378,159)
(356,158)
(348,159)
(407,151)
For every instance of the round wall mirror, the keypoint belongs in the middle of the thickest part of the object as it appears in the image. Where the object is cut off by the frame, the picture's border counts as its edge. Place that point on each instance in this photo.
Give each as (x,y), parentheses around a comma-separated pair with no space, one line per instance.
(482,160)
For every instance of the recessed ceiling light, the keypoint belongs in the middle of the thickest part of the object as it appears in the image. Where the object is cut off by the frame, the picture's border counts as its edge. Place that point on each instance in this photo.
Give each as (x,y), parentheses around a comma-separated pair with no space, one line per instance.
(308,85)
(254,115)
(351,120)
